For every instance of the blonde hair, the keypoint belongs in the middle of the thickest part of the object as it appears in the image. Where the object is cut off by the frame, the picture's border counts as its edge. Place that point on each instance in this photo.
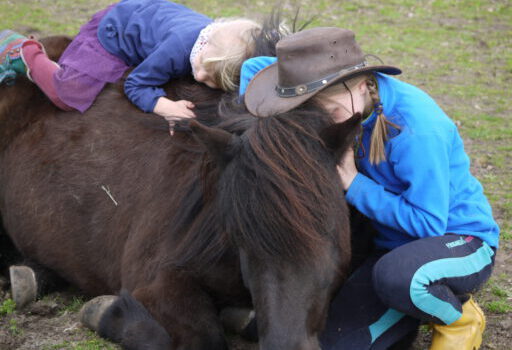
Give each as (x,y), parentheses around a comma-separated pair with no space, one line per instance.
(382,124)
(380,133)
(225,67)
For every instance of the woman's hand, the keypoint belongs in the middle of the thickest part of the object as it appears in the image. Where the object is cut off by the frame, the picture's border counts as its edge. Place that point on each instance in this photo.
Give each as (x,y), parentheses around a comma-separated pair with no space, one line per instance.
(174,111)
(347,169)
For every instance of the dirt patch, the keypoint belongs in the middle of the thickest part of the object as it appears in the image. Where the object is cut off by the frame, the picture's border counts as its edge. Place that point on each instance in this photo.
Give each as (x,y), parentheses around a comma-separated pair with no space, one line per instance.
(45,324)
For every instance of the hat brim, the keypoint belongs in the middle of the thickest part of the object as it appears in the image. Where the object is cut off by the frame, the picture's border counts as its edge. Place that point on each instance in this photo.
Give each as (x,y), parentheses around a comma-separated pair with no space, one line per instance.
(262,100)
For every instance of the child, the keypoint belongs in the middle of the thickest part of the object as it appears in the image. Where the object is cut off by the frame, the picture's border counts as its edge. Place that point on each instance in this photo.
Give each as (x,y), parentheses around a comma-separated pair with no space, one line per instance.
(161,39)
(436,238)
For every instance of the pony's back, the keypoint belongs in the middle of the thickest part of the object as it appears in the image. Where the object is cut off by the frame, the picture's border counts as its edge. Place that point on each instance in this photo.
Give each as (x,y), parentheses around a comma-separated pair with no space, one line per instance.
(100,183)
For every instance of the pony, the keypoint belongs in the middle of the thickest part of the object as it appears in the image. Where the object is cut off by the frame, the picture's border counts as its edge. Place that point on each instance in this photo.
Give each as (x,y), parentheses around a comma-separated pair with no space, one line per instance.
(233,210)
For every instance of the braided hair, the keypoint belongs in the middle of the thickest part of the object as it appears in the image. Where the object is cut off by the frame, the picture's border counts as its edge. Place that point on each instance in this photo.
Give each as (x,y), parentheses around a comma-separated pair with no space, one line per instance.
(380,133)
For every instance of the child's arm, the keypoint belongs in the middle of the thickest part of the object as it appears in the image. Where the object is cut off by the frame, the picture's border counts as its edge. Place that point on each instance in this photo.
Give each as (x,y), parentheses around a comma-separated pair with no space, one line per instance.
(143,86)
(172,111)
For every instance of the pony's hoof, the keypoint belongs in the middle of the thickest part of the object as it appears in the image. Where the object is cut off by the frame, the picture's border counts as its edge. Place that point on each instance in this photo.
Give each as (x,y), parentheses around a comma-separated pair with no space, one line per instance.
(93,310)
(23,285)
(236,319)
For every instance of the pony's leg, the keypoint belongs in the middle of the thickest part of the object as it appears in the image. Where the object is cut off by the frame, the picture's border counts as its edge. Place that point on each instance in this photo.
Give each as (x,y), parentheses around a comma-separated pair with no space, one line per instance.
(169,313)
(23,285)
(127,322)
(93,311)
(187,313)
(30,281)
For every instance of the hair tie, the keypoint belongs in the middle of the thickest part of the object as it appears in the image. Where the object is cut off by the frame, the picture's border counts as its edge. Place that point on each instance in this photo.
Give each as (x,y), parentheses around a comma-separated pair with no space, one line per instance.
(378,108)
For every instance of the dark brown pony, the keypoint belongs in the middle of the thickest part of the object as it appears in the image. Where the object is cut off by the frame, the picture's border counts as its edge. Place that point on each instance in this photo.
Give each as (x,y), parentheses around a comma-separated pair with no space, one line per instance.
(231,210)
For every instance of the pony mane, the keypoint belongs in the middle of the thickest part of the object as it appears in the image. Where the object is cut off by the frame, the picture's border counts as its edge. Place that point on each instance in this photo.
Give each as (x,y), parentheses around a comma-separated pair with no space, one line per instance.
(279,194)
(276,198)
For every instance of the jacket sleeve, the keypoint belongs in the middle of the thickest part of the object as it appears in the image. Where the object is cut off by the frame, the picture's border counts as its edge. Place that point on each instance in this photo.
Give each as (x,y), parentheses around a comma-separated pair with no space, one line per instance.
(421,162)
(249,69)
(142,86)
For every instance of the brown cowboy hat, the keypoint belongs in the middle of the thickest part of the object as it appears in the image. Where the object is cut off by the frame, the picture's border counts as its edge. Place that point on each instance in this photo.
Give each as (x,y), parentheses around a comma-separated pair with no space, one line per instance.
(307,62)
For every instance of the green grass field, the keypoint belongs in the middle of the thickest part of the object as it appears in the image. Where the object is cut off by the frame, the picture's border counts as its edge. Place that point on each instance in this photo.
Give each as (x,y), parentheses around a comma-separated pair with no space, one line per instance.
(459,51)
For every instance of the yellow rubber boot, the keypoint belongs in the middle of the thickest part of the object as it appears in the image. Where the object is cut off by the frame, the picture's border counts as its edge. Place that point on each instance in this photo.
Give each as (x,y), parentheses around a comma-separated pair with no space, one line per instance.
(463,334)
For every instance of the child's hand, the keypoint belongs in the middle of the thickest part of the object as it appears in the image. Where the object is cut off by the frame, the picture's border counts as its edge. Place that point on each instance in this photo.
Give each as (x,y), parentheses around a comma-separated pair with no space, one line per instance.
(174,111)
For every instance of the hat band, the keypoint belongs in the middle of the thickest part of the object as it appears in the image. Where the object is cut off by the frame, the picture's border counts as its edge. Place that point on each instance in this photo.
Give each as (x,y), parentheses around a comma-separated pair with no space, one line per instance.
(315,85)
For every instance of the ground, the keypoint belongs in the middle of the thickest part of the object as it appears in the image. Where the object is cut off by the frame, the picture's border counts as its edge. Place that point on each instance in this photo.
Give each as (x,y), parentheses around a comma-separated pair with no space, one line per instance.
(456,50)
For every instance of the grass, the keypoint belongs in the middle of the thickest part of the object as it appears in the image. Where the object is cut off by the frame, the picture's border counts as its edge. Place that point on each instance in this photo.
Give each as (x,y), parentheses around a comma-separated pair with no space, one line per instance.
(456,50)
(497,294)
(498,307)
(93,343)
(13,327)
(66,305)
(74,306)
(7,307)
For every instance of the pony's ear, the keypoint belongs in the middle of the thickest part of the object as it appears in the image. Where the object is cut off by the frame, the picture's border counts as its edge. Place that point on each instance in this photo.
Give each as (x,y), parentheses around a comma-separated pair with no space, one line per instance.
(219,143)
(339,137)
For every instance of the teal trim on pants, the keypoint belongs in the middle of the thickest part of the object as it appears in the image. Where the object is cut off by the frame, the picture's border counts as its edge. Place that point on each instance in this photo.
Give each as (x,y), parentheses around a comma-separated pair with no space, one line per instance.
(446,268)
(388,320)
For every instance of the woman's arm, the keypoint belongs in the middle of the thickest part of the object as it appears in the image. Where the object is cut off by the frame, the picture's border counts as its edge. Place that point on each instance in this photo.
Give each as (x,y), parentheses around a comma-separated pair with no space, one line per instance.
(421,210)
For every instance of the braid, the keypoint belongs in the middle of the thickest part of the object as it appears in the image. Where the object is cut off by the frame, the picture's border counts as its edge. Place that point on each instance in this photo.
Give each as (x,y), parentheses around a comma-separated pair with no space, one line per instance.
(380,131)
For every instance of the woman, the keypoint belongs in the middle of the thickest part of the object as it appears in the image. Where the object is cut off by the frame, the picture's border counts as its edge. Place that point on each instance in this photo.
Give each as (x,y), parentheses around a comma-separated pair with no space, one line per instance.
(436,238)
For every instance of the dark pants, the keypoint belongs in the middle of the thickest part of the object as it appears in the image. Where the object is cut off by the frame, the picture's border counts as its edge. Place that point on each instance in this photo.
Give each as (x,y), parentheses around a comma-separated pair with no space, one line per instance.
(392,292)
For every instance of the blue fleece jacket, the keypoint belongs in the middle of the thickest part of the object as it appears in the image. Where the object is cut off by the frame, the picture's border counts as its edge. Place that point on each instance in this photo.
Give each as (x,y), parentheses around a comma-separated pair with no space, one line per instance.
(155,36)
(424,188)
